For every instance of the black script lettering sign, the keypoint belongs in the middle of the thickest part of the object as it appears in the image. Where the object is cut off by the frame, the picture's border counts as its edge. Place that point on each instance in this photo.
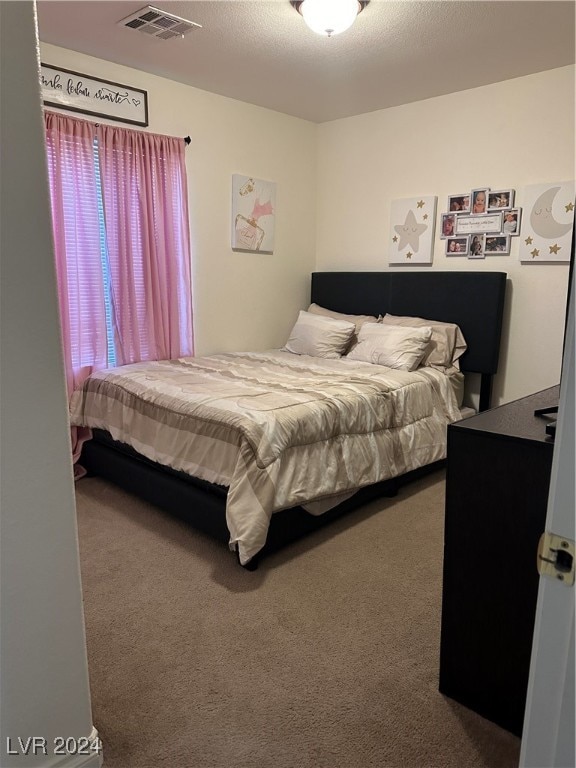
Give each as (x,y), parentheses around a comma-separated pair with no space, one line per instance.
(64,89)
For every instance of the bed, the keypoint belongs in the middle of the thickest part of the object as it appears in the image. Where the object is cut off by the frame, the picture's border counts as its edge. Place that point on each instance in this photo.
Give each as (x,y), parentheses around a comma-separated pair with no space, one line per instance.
(260,448)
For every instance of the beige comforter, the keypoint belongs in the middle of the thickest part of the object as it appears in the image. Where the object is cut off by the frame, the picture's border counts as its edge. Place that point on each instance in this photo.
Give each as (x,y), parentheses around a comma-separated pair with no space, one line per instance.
(278,429)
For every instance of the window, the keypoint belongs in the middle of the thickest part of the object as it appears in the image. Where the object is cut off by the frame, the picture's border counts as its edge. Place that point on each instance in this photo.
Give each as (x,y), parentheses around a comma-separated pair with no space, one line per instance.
(106,277)
(120,224)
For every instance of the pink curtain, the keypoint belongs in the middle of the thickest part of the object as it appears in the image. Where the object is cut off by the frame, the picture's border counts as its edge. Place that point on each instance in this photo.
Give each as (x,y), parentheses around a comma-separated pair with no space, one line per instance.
(76,234)
(121,239)
(146,213)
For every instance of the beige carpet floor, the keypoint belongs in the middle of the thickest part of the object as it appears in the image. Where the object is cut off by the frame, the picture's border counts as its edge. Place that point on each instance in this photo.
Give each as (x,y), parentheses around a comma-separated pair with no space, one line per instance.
(325,657)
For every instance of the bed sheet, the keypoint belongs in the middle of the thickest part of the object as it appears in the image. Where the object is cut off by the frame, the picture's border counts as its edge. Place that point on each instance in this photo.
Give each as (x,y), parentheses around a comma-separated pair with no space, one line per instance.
(278,429)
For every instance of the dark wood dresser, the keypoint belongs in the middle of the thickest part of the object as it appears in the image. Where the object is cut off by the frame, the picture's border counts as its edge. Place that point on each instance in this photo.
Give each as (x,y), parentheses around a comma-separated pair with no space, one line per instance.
(497,481)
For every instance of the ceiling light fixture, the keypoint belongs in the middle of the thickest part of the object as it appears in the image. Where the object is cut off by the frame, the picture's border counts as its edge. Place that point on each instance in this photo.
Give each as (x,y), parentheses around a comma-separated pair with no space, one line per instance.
(329,17)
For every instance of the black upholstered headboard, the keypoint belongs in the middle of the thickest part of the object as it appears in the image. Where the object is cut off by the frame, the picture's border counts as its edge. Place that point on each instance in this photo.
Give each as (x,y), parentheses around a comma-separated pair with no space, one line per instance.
(472,300)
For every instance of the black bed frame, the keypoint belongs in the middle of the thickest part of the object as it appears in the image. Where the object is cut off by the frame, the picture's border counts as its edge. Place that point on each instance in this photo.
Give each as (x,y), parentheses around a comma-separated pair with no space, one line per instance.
(473,300)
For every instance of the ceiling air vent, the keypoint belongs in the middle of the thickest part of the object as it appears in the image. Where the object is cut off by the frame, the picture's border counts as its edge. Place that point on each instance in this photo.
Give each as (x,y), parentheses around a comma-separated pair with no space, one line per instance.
(156,23)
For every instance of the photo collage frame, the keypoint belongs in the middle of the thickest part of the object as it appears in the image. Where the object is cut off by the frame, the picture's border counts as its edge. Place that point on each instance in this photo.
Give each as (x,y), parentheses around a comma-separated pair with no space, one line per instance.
(480,223)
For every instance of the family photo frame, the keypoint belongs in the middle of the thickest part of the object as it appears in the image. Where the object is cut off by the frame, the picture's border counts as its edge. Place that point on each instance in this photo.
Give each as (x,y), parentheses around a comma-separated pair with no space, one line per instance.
(479,203)
(448,222)
(497,244)
(499,199)
(511,221)
(480,223)
(459,203)
(457,246)
(477,246)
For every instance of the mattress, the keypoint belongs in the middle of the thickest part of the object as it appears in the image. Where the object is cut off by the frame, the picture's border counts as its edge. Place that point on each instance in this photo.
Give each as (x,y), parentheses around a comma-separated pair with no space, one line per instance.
(278,429)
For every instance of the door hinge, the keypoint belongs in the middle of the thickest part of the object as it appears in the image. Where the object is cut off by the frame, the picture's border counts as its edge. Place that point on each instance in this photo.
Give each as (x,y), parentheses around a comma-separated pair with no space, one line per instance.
(556,558)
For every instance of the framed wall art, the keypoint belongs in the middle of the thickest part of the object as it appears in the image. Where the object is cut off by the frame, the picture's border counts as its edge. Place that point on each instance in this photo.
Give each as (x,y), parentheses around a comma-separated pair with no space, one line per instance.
(499,199)
(547,232)
(486,217)
(459,203)
(65,89)
(497,244)
(457,246)
(477,245)
(412,223)
(447,225)
(253,214)
(479,200)
(511,221)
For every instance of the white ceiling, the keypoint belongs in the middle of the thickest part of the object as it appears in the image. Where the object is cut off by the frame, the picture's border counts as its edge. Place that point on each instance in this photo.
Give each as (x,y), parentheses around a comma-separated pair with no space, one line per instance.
(261,52)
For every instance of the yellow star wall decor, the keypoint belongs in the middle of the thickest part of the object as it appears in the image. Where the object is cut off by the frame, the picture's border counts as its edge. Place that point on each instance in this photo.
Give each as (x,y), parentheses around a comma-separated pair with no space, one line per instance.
(548,222)
(412,230)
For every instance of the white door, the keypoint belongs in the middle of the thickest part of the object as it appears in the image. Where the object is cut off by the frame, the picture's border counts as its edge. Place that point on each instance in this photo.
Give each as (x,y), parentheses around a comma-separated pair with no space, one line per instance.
(548,736)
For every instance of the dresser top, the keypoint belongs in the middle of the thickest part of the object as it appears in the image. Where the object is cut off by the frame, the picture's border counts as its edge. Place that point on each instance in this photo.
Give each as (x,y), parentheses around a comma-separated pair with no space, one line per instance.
(516,420)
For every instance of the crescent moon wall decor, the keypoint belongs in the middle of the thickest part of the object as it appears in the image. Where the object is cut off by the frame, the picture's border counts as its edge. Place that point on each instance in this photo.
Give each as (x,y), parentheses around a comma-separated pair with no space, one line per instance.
(411,234)
(549,220)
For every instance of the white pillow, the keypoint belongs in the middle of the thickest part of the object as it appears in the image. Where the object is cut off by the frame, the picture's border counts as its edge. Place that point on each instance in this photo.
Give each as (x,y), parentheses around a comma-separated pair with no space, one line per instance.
(319,336)
(447,343)
(392,345)
(358,320)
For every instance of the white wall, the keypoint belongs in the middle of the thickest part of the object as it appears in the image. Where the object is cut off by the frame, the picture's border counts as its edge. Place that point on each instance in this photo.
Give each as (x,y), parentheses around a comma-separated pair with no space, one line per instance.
(44,677)
(335,184)
(241,301)
(506,135)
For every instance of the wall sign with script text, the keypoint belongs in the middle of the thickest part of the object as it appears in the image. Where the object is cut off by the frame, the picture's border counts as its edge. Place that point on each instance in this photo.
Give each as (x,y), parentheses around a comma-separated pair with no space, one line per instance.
(93,96)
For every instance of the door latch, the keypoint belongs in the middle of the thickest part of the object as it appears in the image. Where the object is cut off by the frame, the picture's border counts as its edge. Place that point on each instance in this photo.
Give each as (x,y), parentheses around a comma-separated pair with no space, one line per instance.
(556,558)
